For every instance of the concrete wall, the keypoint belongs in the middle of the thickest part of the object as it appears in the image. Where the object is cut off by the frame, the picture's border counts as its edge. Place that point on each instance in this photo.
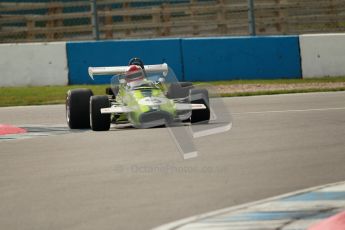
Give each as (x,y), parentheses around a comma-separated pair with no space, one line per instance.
(323,55)
(192,59)
(33,64)
(81,55)
(227,58)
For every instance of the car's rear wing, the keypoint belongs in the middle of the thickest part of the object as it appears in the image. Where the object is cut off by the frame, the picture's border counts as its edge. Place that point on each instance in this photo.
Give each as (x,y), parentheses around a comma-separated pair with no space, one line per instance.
(112,70)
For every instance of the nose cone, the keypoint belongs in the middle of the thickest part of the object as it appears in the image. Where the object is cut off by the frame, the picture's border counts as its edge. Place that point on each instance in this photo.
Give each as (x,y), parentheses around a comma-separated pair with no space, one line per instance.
(155,118)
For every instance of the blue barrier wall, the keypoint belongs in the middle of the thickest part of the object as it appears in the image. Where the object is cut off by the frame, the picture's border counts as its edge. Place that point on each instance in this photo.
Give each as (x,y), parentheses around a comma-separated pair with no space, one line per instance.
(227,58)
(193,59)
(81,55)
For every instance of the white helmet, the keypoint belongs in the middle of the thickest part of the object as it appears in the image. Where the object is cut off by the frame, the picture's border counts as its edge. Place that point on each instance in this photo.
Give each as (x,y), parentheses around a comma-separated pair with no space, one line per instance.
(134,76)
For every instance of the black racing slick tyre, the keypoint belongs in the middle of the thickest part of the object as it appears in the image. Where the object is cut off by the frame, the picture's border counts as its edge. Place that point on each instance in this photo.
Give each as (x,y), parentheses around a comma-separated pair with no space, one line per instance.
(77,108)
(112,91)
(99,122)
(179,89)
(186,84)
(200,96)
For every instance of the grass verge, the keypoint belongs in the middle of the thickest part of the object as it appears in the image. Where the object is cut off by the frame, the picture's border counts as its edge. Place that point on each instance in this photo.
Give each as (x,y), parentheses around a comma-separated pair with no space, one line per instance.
(43,95)
(40,95)
(277,81)
(273,92)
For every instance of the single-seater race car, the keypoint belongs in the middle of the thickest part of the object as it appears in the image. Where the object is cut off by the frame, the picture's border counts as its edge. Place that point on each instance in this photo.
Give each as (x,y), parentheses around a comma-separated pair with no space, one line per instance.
(143,95)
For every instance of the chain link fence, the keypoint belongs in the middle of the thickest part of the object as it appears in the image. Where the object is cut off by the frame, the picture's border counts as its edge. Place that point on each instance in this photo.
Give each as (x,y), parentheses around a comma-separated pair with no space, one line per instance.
(58,20)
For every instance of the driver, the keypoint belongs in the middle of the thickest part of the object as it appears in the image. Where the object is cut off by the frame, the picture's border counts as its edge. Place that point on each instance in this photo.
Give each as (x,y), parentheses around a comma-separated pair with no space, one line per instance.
(135,76)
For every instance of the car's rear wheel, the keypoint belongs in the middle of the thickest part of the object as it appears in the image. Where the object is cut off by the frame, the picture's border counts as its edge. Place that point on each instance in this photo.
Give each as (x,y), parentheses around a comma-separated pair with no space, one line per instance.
(112,91)
(179,89)
(99,121)
(200,96)
(77,108)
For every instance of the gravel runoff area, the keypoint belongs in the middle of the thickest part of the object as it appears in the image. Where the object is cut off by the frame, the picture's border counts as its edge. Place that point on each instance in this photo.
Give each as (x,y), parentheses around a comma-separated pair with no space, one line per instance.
(241,88)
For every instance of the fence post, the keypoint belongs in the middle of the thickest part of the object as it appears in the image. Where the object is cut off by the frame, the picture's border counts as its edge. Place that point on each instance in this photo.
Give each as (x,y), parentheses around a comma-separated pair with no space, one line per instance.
(108,22)
(29,34)
(127,19)
(251,18)
(166,19)
(333,11)
(94,20)
(156,19)
(195,30)
(283,16)
(51,24)
(222,27)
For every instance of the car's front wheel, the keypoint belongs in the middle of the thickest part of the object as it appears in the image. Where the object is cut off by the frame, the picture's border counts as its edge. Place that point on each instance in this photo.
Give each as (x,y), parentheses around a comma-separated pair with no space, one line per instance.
(99,121)
(77,108)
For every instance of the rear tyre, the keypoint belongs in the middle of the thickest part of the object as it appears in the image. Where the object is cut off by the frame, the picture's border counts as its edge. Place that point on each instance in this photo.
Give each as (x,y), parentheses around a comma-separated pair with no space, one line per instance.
(112,91)
(186,84)
(200,96)
(99,122)
(179,89)
(77,108)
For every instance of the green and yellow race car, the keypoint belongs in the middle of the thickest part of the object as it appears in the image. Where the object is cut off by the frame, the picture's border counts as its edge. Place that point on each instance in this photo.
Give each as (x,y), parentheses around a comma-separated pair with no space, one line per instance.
(143,95)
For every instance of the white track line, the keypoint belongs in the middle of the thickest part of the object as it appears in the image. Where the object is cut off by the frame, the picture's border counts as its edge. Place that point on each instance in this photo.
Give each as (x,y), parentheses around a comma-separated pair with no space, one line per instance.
(290,110)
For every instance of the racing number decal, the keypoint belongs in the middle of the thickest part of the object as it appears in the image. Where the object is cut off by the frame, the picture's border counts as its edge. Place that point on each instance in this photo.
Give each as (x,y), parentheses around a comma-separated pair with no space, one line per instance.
(151,101)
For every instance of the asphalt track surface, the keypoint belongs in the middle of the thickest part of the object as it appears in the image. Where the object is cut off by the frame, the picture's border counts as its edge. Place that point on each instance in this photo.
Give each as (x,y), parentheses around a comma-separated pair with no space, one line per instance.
(136,179)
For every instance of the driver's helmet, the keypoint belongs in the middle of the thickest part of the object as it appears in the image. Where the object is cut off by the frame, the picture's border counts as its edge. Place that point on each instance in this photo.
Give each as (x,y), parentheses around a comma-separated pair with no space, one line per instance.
(134,76)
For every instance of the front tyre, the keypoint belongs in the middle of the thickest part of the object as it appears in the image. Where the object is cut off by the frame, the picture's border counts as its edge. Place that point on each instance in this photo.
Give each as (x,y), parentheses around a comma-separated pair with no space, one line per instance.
(99,122)
(77,108)
(200,96)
